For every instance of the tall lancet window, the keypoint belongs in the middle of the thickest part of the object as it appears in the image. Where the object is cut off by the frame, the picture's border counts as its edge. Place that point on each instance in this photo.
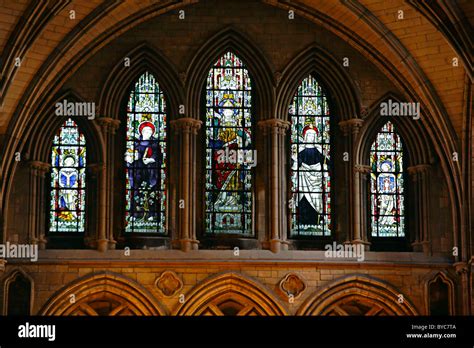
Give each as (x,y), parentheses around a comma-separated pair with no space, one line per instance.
(68,180)
(228,148)
(310,162)
(145,158)
(386,184)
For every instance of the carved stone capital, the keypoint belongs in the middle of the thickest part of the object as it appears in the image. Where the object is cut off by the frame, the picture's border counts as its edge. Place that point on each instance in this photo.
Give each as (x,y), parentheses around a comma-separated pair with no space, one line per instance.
(362,168)
(419,168)
(186,125)
(95,168)
(2,265)
(461,267)
(353,125)
(364,111)
(274,125)
(108,124)
(39,168)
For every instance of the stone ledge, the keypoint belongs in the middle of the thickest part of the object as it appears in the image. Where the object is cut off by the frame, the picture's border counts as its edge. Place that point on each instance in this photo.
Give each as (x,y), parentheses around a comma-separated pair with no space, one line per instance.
(195,257)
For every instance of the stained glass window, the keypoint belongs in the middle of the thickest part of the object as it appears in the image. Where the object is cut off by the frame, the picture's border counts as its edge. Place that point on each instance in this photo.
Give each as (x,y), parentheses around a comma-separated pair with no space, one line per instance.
(68,180)
(229,152)
(386,184)
(145,158)
(310,144)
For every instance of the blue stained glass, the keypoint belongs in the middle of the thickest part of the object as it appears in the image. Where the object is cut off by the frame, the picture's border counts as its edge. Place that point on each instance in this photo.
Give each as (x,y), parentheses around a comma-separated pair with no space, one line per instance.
(386,184)
(68,180)
(145,158)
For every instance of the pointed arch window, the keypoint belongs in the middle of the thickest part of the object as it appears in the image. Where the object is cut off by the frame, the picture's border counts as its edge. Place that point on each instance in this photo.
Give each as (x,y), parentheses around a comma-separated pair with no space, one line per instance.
(228,192)
(310,148)
(145,158)
(387,213)
(68,180)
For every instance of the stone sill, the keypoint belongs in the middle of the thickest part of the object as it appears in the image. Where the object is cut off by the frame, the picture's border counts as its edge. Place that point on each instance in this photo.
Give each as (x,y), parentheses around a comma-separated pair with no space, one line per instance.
(195,257)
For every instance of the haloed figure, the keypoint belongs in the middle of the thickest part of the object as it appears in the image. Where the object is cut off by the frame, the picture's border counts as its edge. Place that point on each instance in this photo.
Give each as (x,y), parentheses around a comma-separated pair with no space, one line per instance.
(68,177)
(312,168)
(144,173)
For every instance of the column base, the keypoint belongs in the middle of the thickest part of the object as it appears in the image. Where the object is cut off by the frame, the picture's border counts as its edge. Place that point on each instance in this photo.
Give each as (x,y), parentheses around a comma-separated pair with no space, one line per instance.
(187,244)
(424,247)
(2,265)
(42,242)
(102,245)
(112,244)
(277,245)
(360,241)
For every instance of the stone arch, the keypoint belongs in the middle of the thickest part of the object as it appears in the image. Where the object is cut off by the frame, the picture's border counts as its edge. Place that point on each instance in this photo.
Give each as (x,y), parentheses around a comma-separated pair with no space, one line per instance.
(446,278)
(11,277)
(230,294)
(357,295)
(315,59)
(40,138)
(257,64)
(142,58)
(418,144)
(102,293)
(36,147)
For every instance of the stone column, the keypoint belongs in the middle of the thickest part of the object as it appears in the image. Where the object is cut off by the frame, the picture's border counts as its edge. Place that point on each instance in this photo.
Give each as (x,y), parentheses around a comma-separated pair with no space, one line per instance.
(357,176)
(420,178)
(95,232)
(274,133)
(38,211)
(462,270)
(108,128)
(186,129)
(360,228)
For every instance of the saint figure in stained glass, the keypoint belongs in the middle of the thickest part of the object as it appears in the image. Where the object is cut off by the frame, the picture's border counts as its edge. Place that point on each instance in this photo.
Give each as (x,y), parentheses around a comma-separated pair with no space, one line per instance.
(386,184)
(228,132)
(145,158)
(310,161)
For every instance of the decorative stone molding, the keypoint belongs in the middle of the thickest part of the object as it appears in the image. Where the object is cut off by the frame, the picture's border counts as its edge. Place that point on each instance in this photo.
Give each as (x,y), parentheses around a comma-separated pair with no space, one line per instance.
(221,292)
(125,295)
(420,168)
(364,111)
(365,292)
(186,125)
(39,168)
(108,124)
(354,125)
(274,126)
(95,169)
(277,77)
(169,283)
(362,169)
(461,268)
(182,77)
(292,285)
